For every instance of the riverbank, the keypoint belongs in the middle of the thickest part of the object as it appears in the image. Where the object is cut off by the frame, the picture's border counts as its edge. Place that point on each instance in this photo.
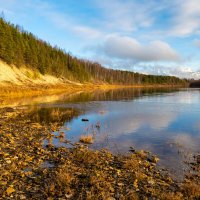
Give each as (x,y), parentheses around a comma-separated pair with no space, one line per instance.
(26,82)
(37,90)
(20,95)
(32,169)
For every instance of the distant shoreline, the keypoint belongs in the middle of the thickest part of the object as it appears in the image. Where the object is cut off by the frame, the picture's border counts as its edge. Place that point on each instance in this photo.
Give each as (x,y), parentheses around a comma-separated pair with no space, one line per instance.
(8,91)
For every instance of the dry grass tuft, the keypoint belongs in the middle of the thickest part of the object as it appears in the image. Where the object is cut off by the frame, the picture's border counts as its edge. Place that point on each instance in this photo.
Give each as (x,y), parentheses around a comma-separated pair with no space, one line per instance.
(192,189)
(171,196)
(87,139)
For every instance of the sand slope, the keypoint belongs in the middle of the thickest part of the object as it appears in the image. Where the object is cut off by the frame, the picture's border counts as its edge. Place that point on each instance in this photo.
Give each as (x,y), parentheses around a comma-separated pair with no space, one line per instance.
(23,76)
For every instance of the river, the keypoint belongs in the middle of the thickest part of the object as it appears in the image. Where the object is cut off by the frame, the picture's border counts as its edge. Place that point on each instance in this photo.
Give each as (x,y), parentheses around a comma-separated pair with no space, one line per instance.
(165,122)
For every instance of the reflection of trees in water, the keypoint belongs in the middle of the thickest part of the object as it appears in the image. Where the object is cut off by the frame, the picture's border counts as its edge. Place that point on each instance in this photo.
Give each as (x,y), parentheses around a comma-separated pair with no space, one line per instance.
(50,115)
(195,84)
(118,94)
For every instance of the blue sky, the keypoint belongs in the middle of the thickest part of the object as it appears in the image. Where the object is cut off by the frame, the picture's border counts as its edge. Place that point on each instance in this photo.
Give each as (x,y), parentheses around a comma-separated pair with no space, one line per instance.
(149,36)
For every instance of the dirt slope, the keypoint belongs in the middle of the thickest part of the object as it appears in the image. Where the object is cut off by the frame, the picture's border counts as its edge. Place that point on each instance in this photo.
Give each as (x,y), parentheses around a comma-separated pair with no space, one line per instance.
(23,76)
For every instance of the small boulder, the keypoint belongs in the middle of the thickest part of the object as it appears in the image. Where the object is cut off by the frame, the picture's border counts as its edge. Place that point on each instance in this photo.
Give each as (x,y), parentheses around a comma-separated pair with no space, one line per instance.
(132,150)
(152,159)
(8,109)
(85,120)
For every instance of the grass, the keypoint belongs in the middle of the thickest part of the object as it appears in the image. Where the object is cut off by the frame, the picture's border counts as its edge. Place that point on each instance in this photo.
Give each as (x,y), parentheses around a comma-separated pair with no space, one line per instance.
(32,74)
(87,139)
(191,188)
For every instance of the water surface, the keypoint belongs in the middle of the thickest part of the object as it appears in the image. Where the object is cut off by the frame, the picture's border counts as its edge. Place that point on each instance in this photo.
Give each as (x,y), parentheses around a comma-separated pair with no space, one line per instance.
(163,121)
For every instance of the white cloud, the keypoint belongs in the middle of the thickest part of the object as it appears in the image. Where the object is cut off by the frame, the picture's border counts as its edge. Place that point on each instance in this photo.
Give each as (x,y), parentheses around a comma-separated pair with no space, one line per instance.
(161,69)
(186,18)
(68,23)
(154,118)
(48,11)
(87,32)
(129,48)
(126,16)
(184,140)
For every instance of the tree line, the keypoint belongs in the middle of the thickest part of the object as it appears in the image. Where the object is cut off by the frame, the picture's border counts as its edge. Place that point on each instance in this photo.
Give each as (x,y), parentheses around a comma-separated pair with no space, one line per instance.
(194,84)
(21,48)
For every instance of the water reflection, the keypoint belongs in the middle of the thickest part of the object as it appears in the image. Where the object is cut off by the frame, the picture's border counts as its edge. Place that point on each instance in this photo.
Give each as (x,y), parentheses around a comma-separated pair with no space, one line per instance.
(81,96)
(116,94)
(50,114)
(163,121)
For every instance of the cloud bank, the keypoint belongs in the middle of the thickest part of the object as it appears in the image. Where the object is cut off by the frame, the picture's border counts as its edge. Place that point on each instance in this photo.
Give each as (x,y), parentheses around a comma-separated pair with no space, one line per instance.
(186,18)
(129,48)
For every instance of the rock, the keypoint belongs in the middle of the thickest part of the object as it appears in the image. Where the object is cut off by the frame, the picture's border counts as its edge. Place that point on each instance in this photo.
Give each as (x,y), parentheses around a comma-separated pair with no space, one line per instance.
(22,197)
(110,198)
(132,149)
(68,196)
(98,126)
(120,184)
(198,159)
(152,159)
(135,184)
(8,161)
(10,190)
(85,120)
(3,182)
(151,182)
(8,109)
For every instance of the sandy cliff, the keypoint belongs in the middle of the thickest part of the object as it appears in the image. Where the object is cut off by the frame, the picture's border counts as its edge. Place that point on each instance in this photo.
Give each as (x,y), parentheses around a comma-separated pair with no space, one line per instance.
(11,75)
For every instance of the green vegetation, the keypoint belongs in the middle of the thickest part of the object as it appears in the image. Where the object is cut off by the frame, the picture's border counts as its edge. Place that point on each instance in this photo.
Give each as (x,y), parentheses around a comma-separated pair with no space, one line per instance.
(21,48)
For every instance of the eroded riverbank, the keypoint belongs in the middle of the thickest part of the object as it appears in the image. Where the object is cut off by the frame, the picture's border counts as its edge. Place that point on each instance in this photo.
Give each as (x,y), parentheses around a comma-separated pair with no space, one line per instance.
(20,91)
(32,170)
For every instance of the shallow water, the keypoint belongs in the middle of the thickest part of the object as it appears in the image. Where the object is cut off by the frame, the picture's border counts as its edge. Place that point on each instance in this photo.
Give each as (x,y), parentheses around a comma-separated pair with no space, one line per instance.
(163,121)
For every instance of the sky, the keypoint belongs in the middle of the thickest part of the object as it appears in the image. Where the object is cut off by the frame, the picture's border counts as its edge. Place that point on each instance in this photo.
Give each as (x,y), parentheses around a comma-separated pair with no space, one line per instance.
(160,37)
